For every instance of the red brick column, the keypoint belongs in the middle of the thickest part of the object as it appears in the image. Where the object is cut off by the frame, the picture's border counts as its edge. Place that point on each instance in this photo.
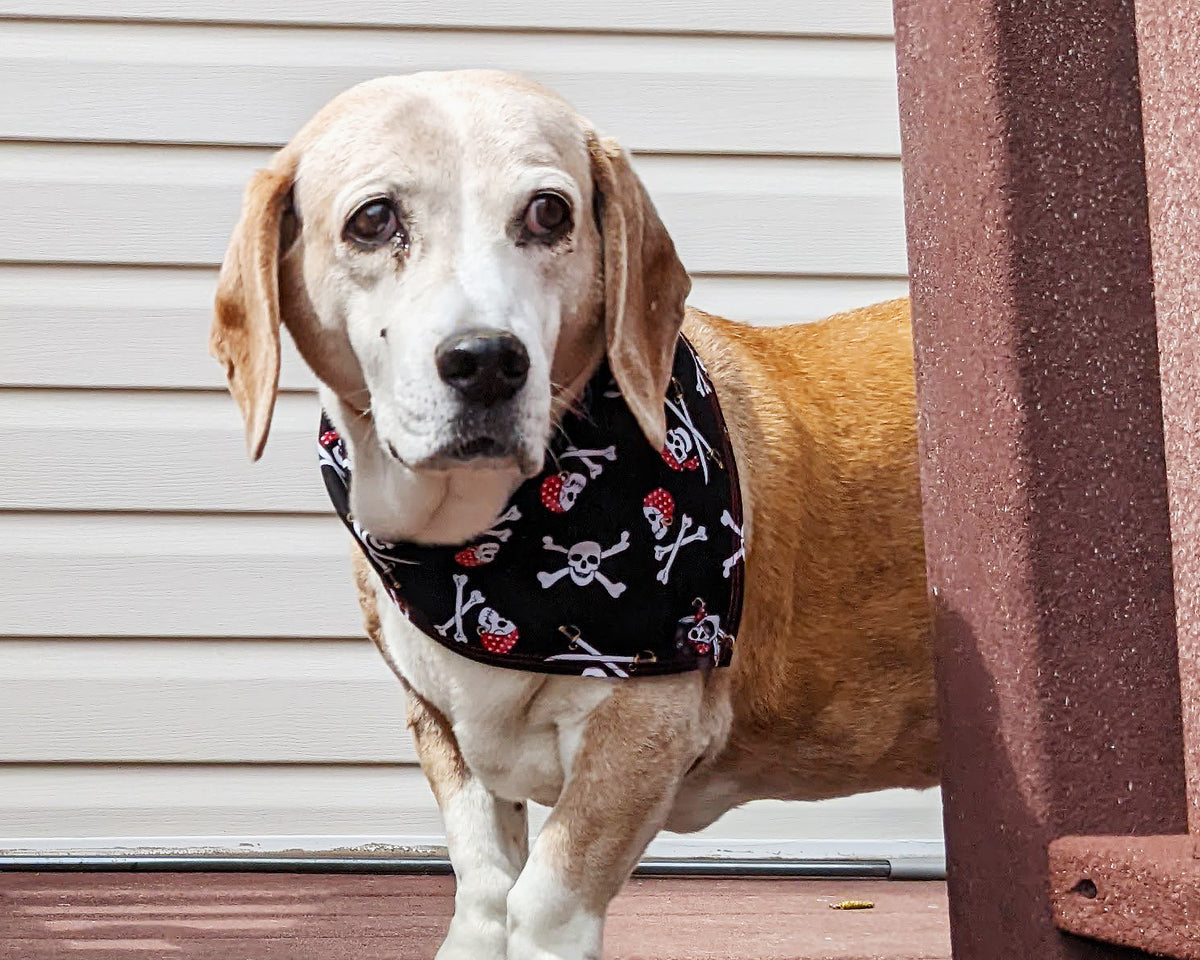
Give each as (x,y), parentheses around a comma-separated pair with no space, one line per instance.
(1047,530)
(1169,60)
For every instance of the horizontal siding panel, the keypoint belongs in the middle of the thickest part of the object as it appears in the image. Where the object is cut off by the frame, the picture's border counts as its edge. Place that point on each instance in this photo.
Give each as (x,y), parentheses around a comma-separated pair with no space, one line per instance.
(774,301)
(111,801)
(170,576)
(143,327)
(147,701)
(138,205)
(824,17)
(144,451)
(388,805)
(204,84)
(68,326)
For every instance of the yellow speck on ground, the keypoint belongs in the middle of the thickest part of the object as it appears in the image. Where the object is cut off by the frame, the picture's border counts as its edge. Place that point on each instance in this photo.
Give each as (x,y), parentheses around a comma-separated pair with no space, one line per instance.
(852,905)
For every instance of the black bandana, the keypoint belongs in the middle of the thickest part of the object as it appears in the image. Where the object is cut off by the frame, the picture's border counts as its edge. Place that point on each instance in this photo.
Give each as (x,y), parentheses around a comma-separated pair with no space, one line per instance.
(617,560)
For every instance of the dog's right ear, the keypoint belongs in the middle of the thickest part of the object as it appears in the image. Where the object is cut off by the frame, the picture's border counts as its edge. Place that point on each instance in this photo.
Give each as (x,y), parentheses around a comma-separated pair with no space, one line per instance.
(645,287)
(245,330)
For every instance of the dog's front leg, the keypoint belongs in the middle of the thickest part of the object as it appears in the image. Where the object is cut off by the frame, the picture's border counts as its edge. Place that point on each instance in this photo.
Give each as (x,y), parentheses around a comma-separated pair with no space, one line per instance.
(621,787)
(488,839)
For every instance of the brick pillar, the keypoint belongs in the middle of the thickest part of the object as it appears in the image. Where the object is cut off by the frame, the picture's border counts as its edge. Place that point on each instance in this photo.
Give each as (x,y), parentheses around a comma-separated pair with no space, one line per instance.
(1047,532)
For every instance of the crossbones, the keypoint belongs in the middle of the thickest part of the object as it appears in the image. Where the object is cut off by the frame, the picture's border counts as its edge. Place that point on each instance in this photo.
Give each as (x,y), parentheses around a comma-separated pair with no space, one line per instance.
(591,655)
(511,515)
(456,621)
(585,456)
(583,564)
(703,384)
(377,549)
(703,447)
(740,553)
(670,550)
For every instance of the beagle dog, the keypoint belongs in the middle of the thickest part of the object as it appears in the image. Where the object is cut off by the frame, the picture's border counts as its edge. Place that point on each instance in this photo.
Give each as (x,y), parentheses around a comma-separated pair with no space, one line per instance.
(413,209)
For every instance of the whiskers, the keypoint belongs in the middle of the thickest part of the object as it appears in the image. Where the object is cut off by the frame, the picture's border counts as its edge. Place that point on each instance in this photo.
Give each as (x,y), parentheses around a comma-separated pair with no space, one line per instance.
(560,406)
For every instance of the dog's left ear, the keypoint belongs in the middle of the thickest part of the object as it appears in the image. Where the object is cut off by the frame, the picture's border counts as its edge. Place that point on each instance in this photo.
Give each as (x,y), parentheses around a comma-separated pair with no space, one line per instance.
(645,286)
(245,330)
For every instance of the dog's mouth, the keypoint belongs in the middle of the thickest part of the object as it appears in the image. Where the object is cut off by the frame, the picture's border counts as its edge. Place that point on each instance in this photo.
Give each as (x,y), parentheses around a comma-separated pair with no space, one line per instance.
(483,451)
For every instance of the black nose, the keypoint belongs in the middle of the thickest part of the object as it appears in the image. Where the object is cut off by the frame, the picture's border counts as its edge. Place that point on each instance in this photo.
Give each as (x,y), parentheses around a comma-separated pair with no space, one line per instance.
(485,366)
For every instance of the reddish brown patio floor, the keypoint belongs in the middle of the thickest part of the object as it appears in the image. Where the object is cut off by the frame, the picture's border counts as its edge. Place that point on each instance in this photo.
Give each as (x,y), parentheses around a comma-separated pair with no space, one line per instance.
(195,916)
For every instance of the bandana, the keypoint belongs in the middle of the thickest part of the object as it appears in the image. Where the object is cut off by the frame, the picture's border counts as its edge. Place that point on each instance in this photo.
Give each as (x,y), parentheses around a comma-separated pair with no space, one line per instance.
(617,560)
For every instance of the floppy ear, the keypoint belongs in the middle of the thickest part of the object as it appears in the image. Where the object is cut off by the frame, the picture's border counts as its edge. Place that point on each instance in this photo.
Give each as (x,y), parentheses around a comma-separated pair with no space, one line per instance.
(645,286)
(245,330)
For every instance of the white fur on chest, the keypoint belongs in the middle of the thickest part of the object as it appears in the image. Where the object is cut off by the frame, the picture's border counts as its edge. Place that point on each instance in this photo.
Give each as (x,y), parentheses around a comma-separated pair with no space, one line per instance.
(518,731)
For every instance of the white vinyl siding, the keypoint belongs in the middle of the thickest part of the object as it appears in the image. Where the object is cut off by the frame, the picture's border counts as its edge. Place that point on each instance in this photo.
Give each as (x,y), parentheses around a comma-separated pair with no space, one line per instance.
(181,657)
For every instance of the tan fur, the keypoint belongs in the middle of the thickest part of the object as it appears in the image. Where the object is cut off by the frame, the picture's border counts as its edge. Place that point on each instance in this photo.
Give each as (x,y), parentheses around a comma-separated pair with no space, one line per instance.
(832,679)
(245,333)
(830,691)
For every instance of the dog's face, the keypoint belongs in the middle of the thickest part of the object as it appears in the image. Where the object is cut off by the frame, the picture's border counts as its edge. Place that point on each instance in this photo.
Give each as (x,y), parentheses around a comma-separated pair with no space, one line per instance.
(452,253)
(447,228)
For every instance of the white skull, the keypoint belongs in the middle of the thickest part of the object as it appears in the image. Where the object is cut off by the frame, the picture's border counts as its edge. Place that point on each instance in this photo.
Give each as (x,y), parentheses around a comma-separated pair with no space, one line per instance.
(584,561)
(491,622)
(658,523)
(679,444)
(486,552)
(704,631)
(573,484)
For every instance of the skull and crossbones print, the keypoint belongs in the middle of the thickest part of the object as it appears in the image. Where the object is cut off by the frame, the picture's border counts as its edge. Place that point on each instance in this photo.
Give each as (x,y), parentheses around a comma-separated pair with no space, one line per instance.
(704,631)
(481,553)
(654,526)
(589,458)
(739,553)
(671,550)
(658,507)
(560,490)
(583,564)
(496,634)
(461,607)
(686,447)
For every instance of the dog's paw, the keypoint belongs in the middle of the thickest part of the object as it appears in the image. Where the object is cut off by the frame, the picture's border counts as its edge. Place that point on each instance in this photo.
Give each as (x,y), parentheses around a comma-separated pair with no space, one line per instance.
(474,940)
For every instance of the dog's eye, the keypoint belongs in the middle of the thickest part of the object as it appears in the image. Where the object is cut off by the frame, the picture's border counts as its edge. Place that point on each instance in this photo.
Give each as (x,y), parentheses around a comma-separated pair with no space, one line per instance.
(374,224)
(547,217)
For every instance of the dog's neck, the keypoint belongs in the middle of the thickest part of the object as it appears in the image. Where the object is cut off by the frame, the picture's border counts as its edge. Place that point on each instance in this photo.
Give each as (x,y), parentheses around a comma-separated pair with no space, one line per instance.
(428,506)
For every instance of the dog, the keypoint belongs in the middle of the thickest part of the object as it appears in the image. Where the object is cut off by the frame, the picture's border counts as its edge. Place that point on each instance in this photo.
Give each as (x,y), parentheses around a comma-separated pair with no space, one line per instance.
(412,210)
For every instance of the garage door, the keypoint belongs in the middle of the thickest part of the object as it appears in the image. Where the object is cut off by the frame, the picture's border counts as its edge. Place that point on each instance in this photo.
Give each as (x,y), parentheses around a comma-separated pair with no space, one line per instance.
(181,663)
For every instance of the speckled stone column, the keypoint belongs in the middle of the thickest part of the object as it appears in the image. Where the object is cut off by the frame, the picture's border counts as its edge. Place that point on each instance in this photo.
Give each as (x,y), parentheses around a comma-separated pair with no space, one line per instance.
(1169,59)
(1047,533)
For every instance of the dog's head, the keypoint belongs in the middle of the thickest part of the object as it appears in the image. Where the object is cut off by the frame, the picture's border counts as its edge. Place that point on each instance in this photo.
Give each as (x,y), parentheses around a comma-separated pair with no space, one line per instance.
(452,254)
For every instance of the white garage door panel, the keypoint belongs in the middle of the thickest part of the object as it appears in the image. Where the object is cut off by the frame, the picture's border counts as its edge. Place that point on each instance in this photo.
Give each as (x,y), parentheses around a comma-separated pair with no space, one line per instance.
(825,17)
(201,576)
(67,326)
(166,701)
(147,83)
(178,205)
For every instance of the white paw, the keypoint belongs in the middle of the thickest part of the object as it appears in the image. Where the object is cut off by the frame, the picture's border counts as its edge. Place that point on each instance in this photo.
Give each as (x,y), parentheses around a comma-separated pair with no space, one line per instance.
(546,922)
(474,940)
